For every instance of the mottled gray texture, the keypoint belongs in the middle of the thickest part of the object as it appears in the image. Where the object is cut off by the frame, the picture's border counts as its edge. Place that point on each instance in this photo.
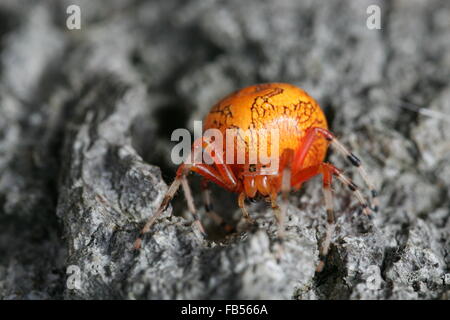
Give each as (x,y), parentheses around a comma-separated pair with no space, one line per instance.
(85,124)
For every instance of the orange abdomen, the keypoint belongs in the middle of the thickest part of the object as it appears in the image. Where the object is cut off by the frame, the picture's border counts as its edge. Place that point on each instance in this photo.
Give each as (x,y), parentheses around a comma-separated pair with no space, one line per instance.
(274,105)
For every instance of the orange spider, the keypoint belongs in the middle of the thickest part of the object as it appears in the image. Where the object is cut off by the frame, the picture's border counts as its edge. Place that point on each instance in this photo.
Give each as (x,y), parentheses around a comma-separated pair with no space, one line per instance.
(302,145)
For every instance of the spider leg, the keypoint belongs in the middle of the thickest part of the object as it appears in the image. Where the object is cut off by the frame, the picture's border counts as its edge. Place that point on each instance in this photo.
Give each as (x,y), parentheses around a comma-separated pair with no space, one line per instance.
(307,173)
(209,207)
(191,205)
(301,175)
(206,171)
(229,180)
(327,175)
(164,204)
(352,186)
(356,162)
(304,175)
(241,204)
(286,172)
(224,169)
(327,172)
(311,135)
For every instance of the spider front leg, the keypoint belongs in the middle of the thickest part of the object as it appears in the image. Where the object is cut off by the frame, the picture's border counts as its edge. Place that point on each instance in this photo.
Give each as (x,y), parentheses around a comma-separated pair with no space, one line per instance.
(180,179)
(191,205)
(208,172)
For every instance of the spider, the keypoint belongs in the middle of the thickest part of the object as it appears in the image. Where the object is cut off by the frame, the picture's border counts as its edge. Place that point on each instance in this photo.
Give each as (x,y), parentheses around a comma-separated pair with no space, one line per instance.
(303,140)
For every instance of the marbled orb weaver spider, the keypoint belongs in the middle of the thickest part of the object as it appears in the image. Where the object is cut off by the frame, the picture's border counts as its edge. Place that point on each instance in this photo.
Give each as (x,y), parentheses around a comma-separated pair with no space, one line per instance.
(303,142)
